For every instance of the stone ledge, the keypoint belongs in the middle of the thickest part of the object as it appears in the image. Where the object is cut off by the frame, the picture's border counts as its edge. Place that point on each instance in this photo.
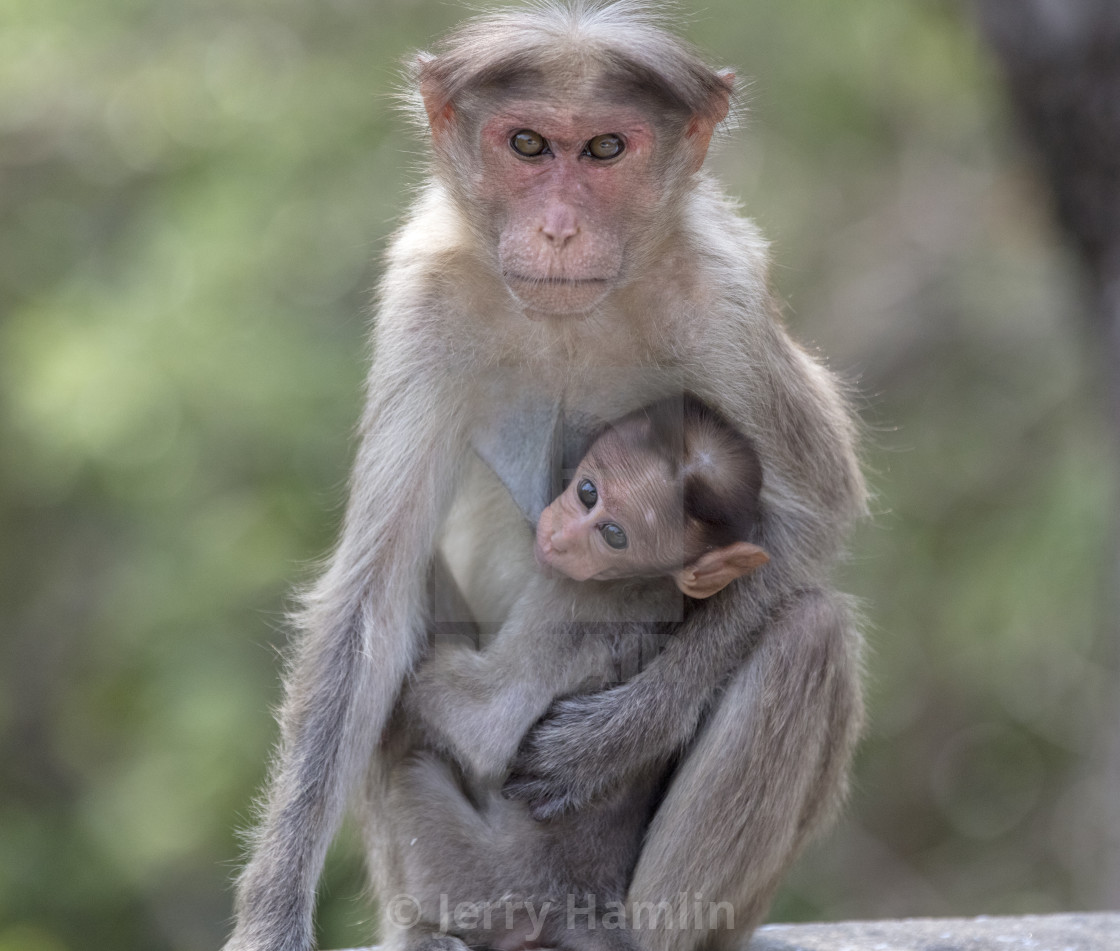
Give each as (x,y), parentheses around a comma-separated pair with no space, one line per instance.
(1080,932)
(1088,932)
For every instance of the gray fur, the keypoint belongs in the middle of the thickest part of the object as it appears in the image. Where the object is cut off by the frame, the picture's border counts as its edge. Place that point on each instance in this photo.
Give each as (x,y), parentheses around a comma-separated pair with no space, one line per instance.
(692,313)
(457,838)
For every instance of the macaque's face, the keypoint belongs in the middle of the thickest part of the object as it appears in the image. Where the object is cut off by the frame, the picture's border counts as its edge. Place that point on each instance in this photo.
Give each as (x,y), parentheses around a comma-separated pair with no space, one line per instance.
(619,517)
(567,186)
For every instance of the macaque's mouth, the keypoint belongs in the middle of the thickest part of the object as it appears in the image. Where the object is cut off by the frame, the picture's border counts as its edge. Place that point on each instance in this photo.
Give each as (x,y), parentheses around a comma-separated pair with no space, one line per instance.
(557,296)
(558,281)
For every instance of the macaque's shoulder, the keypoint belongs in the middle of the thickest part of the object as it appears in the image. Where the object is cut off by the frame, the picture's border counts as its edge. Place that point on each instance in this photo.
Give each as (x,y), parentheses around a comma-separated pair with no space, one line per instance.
(435,283)
(434,227)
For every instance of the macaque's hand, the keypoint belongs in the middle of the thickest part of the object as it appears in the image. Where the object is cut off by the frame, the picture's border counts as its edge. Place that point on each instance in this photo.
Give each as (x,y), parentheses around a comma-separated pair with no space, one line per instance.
(586,745)
(562,763)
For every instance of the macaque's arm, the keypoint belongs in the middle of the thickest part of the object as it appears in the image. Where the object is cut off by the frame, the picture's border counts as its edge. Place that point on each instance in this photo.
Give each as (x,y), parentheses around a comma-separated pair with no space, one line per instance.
(361,629)
(587,745)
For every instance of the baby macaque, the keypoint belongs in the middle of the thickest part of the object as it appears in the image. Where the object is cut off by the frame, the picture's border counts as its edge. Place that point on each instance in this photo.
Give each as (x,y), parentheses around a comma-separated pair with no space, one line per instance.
(671,491)
(664,504)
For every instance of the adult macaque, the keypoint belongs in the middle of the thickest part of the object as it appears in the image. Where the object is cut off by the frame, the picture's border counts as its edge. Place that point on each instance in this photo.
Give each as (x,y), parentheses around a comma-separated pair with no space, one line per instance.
(567,260)
(664,503)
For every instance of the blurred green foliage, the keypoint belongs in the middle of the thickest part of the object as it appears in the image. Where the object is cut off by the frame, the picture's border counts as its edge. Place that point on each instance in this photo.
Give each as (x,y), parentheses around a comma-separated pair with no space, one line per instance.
(193,196)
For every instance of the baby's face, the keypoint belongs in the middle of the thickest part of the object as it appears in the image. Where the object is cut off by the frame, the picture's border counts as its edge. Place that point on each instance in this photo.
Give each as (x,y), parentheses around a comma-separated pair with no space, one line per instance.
(619,517)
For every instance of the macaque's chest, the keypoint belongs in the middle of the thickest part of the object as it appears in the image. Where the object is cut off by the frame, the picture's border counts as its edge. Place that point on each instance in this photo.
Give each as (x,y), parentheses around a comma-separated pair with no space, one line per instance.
(530,431)
(533,433)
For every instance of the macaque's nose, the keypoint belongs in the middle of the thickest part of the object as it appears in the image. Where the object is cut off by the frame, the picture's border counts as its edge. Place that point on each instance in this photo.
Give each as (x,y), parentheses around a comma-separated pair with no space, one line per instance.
(559,225)
(566,531)
(557,538)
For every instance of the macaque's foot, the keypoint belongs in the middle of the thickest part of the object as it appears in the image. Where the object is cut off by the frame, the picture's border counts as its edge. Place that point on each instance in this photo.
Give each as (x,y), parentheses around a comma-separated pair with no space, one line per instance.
(437,942)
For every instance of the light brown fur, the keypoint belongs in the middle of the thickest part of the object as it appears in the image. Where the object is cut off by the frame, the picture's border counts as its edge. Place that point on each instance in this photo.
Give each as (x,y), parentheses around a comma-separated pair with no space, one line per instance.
(689,309)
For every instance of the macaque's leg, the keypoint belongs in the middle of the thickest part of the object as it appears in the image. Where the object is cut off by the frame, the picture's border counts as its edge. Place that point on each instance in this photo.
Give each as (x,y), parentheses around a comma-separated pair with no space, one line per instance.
(444,850)
(767,768)
(475,706)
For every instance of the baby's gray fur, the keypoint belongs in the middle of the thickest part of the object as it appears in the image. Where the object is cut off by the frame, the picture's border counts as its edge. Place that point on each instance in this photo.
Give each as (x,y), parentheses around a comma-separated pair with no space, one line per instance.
(457,838)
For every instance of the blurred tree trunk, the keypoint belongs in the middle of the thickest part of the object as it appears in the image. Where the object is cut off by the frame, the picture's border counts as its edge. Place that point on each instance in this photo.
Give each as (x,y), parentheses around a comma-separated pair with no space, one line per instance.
(1061,60)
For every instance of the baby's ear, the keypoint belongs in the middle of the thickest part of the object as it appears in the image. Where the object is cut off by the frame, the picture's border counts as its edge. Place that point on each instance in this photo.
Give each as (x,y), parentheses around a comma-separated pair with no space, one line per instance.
(715,570)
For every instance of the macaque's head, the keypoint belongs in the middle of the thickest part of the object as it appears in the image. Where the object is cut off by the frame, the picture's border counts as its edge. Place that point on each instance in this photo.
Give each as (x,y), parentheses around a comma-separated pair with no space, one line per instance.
(565,140)
(670,490)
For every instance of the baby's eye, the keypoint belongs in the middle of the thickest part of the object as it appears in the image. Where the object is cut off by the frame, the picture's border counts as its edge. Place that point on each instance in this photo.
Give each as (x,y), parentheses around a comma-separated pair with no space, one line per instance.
(587,493)
(613,535)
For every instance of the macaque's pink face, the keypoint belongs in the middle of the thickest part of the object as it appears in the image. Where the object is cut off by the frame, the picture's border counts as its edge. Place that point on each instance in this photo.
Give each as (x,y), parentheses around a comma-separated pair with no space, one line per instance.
(568,187)
(620,516)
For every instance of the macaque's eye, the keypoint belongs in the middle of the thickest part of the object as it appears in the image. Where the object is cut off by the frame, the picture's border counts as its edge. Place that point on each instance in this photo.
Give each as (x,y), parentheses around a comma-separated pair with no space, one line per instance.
(613,535)
(605,146)
(587,493)
(528,143)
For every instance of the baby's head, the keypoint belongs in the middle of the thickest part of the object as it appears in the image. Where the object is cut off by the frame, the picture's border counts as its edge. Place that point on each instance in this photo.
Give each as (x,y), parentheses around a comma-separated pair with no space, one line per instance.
(672,489)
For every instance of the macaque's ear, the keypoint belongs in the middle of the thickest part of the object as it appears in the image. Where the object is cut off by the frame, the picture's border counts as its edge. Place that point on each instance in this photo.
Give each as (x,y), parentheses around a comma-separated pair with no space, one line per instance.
(715,570)
(441,115)
(700,129)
